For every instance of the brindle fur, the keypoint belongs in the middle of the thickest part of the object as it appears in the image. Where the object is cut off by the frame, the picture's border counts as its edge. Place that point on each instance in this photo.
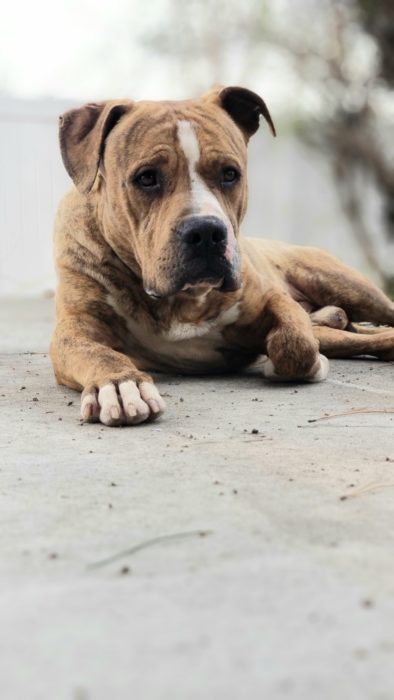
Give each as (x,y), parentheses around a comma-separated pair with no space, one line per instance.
(112,243)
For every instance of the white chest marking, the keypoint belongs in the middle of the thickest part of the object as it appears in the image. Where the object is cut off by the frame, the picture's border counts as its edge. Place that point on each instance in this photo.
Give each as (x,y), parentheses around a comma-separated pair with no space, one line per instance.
(189,346)
(185,331)
(203,200)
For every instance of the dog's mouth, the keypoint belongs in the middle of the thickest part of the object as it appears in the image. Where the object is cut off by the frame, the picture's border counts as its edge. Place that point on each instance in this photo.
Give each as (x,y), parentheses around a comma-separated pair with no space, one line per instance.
(214,271)
(200,278)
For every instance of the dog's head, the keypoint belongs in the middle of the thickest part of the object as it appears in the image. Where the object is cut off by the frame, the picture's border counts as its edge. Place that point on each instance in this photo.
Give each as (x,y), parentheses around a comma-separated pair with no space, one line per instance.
(170,182)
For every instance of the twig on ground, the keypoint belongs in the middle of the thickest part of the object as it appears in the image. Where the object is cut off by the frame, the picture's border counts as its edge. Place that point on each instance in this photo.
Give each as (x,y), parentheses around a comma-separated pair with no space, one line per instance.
(145,544)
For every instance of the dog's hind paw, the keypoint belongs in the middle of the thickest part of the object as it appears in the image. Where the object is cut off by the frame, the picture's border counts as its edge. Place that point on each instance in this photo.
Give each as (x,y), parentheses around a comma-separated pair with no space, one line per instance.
(318,372)
(122,403)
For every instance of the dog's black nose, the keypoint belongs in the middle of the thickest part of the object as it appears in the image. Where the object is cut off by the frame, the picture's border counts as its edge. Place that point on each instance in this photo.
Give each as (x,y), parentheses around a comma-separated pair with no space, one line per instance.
(203,233)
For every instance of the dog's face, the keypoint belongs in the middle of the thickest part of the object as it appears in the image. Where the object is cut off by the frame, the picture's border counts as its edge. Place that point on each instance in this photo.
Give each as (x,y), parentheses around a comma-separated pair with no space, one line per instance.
(171,183)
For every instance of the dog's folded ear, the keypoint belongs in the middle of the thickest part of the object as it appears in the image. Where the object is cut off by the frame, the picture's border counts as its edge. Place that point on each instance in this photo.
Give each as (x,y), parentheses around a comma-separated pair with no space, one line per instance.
(245,108)
(82,134)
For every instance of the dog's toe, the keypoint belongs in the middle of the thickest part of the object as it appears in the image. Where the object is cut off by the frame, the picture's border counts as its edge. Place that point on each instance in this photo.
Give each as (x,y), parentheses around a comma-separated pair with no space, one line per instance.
(111,412)
(152,397)
(90,407)
(136,410)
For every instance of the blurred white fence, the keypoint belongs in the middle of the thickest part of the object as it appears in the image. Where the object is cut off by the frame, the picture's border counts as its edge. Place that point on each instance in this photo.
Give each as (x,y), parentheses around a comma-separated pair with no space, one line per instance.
(291,196)
(32,179)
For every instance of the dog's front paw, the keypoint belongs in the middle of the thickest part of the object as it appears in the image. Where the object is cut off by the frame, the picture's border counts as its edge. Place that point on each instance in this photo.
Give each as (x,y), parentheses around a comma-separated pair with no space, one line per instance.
(122,403)
(318,373)
(294,354)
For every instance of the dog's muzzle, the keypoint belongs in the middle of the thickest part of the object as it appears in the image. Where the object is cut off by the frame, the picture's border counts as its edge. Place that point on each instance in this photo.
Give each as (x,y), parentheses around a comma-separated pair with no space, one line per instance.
(204,245)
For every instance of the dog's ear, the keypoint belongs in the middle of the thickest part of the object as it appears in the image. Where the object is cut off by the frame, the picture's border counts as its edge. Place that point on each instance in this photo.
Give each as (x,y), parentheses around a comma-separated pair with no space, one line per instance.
(82,134)
(245,108)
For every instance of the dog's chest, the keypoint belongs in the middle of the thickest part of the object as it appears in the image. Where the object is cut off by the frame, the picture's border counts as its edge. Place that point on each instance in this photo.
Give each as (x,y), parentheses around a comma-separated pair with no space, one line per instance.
(183,346)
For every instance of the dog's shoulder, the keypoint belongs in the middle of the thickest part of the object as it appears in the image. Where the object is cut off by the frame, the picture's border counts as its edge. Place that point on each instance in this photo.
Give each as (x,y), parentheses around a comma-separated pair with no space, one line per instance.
(76,216)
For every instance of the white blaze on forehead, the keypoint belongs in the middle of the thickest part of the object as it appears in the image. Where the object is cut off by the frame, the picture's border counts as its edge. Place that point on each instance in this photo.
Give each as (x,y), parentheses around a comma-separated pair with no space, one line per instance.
(189,142)
(203,200)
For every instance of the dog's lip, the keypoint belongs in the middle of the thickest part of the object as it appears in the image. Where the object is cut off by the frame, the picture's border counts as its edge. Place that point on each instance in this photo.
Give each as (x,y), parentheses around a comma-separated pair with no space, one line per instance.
(203,284)
(152,293)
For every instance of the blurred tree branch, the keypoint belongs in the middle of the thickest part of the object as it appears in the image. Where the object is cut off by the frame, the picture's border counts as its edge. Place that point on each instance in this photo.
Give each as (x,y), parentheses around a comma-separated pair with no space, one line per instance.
(349,126)
(378,20)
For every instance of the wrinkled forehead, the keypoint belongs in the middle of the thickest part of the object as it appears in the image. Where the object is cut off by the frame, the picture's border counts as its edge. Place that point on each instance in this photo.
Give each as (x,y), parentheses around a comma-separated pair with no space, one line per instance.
(187,130)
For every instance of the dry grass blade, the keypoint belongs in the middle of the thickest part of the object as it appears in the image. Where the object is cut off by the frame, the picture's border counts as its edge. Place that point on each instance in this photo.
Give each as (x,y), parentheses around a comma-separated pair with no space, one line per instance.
(372,486)
(354,411)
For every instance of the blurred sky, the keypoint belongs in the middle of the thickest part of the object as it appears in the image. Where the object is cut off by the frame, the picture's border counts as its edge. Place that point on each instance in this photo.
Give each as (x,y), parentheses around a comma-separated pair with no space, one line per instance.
(90,49)
(96,49)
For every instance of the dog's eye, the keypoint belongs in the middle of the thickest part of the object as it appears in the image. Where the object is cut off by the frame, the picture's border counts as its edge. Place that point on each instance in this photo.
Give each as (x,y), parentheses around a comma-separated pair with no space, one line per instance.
(230,176)
(147,180)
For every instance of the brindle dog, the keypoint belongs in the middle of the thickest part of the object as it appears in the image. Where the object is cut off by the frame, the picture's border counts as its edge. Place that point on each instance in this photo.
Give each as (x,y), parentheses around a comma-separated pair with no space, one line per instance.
(153,274)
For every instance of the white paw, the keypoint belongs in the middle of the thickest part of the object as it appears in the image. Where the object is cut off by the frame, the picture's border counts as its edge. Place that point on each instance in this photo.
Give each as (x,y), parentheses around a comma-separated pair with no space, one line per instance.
(318,373)
(122,404)
(268,370)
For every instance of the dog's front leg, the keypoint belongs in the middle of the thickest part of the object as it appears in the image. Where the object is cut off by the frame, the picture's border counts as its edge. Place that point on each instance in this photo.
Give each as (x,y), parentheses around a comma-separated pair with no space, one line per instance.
(114,391)
(292,350)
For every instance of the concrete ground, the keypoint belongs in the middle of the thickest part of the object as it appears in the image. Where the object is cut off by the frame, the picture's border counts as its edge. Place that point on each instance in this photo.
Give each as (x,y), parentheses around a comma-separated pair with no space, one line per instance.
(195,558)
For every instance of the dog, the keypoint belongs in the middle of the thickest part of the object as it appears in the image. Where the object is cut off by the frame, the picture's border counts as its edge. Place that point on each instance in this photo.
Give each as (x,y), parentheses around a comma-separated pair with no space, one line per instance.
(154,275)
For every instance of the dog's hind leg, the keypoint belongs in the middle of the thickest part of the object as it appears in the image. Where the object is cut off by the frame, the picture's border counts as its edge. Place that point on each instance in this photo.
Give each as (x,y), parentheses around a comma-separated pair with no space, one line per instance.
(338,344)
(367,329)
(326,281)
(331,316)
